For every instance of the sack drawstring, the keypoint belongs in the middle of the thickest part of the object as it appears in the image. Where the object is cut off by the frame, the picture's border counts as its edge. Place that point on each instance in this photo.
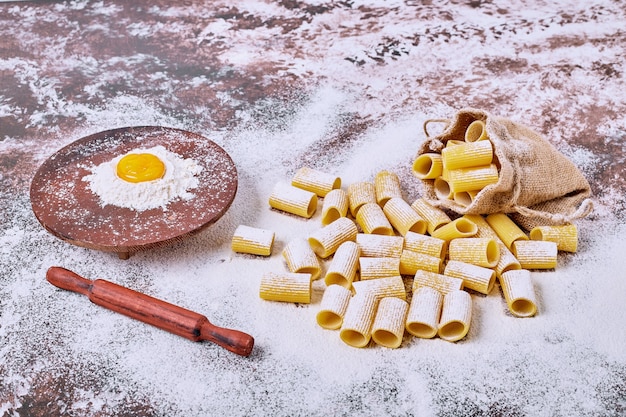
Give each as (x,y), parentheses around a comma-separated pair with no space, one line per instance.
(585,208)
(429,121)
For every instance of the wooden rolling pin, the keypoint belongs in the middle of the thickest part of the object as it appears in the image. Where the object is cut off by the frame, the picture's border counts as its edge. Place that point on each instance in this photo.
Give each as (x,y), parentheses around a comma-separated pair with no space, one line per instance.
(161,314)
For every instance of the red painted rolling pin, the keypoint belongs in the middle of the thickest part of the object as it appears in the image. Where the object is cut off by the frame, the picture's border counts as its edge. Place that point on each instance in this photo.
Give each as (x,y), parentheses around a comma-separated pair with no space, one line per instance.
(161,314)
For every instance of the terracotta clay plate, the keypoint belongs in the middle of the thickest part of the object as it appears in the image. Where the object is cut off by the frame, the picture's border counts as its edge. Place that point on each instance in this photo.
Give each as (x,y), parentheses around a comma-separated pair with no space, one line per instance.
(67,208)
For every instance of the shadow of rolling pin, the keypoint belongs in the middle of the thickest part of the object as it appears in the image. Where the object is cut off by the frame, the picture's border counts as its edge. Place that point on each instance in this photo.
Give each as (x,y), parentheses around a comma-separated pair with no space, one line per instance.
(150,310)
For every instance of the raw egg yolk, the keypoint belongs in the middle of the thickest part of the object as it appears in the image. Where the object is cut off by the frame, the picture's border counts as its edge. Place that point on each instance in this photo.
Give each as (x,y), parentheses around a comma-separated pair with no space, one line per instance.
(140,167)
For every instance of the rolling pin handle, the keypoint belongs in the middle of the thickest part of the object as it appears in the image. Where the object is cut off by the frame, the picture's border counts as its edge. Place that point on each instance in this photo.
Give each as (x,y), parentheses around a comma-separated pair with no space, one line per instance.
(68,280)
(233,340)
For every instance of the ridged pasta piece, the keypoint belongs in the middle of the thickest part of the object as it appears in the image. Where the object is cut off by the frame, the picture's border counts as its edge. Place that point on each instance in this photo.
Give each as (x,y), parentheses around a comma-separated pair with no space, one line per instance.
(454,142)
(469,154)
(519,293)
(474,277)
(335,205)
(252,240)
(425,244)
(535,254)
(360,193)
(505,228)
(442,283)
(424,312)
(461,227)
(428,166)
(293,200)
(443,189)
(326,240)
(357,322)
(389,322)
(387,185)
(380,246)
(411,262)
(402,217)
(343,267)
(290,287)
(565,236)
(382,287)
(318,182)
(456,316)
(333,307)
(476,131)
(465,198)
(373,268)
(473,178)
(435,217)
(481,251)
(300,257)
(372,219)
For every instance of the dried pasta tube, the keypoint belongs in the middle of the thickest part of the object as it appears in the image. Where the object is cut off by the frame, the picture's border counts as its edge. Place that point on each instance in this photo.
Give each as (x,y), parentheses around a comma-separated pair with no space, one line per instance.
(465,198)
(357,322)
(342,269)
(435,217)
(290,287)
(380,246)
(481,251)
(505,228)
(424,312)
(382,287)
(252,240)
(535,254)
(360,193)
(326,240)
(565,236)
(333,307)
(335,206)
(293,200)
(389,322)
(373,268)
(372,219)
(519,293)
(387,185)
(470,154)
(427,245)
(474,277)
(300,257)
(411,262)
(428,166)
(453,142)
(458,228)
(442,283)
(456,316)
(402,217)
(318,182)
(442,187)
(476,131)
(473,178)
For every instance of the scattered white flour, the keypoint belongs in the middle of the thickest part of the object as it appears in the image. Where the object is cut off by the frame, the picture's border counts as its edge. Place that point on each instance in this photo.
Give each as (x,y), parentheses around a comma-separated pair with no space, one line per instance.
(180,177)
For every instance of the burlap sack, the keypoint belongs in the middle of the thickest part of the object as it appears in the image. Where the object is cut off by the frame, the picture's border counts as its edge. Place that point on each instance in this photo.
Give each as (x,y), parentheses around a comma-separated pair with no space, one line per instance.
(537,184)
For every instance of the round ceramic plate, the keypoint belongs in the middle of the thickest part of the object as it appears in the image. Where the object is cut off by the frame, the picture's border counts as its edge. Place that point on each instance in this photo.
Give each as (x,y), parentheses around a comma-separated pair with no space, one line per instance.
(64,204)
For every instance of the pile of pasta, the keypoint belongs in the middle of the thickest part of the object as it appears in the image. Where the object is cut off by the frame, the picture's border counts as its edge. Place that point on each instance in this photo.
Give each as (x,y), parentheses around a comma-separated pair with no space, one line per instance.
(391,267)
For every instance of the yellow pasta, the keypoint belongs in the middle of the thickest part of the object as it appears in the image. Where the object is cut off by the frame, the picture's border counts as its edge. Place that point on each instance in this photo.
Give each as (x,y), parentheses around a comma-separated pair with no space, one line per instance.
(373,268)
(470,154)
(505,228)
(372,219)
(411,262)
(326,240)
(519,293)
(357,322)
(456,316)
(454,142)
(402,217)
(360,193)
(481,251)
(293,200)
(461,227)
(333,307)
(535,254)
(442,283)
(428,166)
(442,187)
(290,287)
(252,240)
(473,178)
(315,181)
(474,277)
(335,205)
(382,287)
(387,185)
(424,313)
(380,246)
(476,131)
(435,217)
(343,267)
(300,257)
(389,322)
(465,198)
(425,244)
(565,236)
